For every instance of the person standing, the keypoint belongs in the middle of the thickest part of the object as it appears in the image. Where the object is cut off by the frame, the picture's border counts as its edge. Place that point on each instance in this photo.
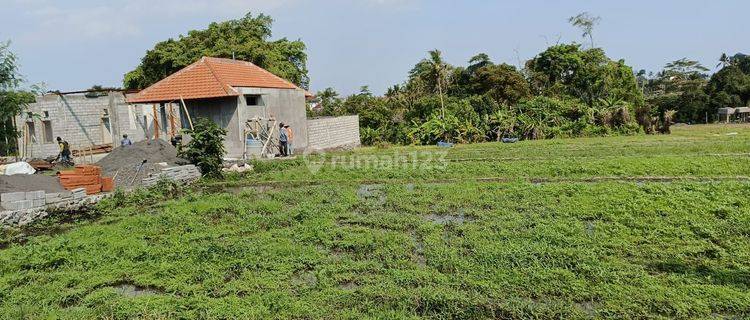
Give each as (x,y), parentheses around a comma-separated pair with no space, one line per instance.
(64,150)
(283,139)
(125,141)
(290,140)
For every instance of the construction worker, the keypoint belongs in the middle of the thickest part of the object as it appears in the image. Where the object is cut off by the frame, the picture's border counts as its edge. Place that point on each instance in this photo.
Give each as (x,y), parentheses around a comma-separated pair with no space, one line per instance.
(64,150)
(283,139)
(125,141)
(290,139)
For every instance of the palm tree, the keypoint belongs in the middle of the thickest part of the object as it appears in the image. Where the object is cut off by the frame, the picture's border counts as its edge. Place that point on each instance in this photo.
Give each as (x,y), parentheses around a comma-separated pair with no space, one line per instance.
(438,72)
(479,61)
(586,23)
(432,74)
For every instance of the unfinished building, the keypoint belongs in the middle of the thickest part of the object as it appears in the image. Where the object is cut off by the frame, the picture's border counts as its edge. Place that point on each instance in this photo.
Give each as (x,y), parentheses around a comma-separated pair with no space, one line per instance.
(231,93)
(87,121)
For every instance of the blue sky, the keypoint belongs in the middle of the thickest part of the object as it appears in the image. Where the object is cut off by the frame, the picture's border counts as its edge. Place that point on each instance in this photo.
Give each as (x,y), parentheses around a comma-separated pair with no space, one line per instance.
(73,44)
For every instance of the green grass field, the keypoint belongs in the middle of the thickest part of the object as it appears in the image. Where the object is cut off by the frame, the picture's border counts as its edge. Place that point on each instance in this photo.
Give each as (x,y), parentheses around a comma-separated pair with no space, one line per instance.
(614,227)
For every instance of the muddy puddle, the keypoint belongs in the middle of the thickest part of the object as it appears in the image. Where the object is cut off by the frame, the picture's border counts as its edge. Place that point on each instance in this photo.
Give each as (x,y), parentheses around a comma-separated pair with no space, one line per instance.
(419,257)
(132,290)
(349,286)
(372,193)
(304,279)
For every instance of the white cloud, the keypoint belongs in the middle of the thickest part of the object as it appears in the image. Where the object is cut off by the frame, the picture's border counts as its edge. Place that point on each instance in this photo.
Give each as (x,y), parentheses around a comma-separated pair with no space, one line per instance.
(96,20)
(42,23)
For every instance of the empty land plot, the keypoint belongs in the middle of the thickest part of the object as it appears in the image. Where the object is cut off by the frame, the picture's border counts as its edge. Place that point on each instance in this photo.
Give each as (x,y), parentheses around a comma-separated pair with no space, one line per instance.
(618,227)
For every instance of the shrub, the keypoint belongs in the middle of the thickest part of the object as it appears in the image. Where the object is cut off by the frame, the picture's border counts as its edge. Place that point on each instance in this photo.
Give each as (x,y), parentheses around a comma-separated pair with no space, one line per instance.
(206,147)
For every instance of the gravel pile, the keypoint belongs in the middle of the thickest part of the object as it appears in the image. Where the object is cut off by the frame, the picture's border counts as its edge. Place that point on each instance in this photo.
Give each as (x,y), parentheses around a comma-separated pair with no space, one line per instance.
(124,161)
(29,182)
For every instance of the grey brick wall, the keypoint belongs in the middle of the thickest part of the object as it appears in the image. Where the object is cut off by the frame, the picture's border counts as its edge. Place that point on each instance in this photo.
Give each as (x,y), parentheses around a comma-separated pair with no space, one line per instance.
(79,120)
(328,133)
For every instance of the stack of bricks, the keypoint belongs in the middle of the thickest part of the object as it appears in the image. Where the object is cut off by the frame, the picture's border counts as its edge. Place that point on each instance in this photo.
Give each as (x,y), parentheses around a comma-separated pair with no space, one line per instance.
(85,176)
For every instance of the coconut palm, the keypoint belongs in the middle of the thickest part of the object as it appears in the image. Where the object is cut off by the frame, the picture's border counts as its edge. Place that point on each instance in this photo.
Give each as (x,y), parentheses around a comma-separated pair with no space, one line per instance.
(433,72)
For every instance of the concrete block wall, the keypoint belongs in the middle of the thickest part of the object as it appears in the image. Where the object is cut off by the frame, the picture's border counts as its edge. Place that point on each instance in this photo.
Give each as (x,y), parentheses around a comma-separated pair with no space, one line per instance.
(79,120)
(23,212)
(333,132)
(222,111)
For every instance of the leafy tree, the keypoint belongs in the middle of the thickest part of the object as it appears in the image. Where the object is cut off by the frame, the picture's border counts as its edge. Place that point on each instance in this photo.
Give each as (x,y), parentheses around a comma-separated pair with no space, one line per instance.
(679,88)
(502,82)
(244,39)
(206,147)
(589,75)
(445,128)
(12,100)
(586,22)
(730,86)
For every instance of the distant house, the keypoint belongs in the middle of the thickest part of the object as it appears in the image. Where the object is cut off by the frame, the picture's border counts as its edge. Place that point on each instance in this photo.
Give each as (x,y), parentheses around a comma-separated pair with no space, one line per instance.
(741,114)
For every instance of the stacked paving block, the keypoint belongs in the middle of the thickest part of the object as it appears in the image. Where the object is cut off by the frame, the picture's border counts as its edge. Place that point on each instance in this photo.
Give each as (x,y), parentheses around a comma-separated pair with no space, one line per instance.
(58,197)
(85,176)
(22,200)
(78,193)
(21,208)
(183,174)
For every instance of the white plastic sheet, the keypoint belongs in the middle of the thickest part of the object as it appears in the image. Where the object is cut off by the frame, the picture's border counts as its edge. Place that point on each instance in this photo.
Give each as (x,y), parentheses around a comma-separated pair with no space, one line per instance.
(17,168)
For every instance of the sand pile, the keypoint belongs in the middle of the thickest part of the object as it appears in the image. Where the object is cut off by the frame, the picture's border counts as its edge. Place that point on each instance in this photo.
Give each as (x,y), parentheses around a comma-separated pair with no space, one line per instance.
(30,182)
(123,162)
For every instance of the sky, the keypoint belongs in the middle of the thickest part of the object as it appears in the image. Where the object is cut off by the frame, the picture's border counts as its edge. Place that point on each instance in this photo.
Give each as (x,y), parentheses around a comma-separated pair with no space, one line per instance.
(73,44)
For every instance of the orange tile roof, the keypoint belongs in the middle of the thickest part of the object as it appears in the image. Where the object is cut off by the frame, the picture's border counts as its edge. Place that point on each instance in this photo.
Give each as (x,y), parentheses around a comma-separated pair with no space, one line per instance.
(210,78)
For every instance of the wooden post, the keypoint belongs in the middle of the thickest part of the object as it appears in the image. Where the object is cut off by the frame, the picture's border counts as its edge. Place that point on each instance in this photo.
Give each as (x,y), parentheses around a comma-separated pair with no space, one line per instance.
(171,120)
(156,122)
(187,114)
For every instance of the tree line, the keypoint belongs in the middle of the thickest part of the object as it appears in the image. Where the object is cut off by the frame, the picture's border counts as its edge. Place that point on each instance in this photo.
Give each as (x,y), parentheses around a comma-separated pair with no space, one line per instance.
(568,90)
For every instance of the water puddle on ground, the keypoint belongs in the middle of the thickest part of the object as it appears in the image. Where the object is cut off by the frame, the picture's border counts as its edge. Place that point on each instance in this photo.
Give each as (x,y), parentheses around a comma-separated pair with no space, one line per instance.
(131,290)
(418,250)
(304,279)
(349,286)
(373,193)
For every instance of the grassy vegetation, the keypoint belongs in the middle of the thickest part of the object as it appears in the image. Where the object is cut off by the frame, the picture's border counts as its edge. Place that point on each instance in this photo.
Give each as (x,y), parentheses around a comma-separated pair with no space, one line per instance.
(530,230)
